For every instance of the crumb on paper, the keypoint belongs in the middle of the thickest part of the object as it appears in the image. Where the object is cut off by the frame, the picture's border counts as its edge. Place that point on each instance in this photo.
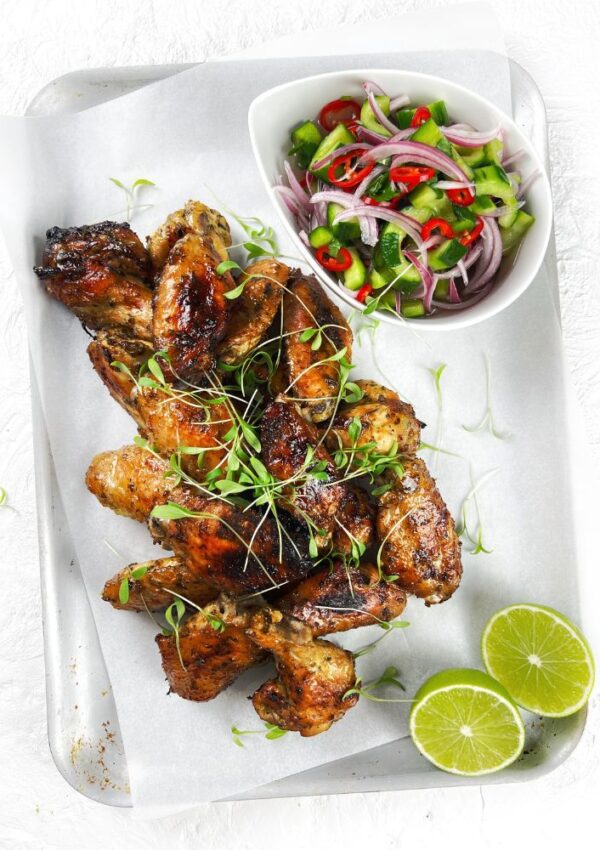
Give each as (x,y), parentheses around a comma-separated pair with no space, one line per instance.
(89,758)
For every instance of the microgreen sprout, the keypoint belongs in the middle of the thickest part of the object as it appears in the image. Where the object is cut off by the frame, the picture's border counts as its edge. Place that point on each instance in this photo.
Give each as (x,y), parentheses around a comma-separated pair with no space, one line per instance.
(134,575)
(436,374)
(389,678)
(131,194)
(174,615)
(3,498)
(215,622)
(378,560)
(474,535)
(271,734)
(487,420)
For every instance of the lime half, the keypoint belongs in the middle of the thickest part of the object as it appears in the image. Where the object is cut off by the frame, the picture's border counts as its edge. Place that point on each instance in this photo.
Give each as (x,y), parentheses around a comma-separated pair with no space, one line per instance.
(540,657)
(465,722)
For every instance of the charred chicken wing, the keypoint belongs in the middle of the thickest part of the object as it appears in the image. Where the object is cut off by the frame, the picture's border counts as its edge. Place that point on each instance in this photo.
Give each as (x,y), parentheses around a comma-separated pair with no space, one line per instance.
(100,272)
(150,591)
(418,536)
(195,217)
(313,675)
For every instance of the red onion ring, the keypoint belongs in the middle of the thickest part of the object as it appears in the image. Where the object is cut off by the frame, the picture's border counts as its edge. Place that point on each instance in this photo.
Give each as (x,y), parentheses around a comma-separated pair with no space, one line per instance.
(370,86)
(471,258)
(339,152)
(512,158)
(362,187)
(486,271)
(399,102)
(295,186)
(410,225)
(527,183)
(428,278)
(503,210)
(445,305)
(453,184)
(469,138)
(370,136)
(415,152)
(453,292)
(380,115)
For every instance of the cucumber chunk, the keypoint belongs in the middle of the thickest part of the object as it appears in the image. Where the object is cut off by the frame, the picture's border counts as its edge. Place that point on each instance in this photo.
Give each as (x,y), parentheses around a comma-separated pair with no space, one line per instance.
(305,140)
(465,219)
(438,111)
(512,236)
(320,236)
(344,231)
(493,152)
(446,255)
(482,205)
(428,134)
(339,136)
(492,180)
(356,275)
(392,236)
(412,308)
(473,156)
(368,118)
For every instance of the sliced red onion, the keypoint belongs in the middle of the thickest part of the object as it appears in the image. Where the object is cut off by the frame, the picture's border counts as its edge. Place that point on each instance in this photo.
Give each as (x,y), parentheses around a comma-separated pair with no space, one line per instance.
(333,196)
(398,301)
(503,210)
(471,258)
(410,225)
(370,136)
(362,187)
(463,271)
(338,152)
(380,115)
(295,186)
(453,292)
(370,86)
(453,184)
(303,238)
(458,135)
(512,158)
(527,183)
(490,260)
(289,199)
(401,135)
(415,152)
(368,230)
(445,305)
(399,102)
(428,278)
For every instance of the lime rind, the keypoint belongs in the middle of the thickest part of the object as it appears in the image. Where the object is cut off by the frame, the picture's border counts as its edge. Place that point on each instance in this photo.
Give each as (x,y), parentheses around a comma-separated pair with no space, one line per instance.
(439,712)
(509,662)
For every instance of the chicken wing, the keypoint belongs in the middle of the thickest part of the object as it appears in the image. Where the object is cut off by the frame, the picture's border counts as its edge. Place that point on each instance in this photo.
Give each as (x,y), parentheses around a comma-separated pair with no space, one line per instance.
(107,348)
(252,313)
(212,658)
(315,384)
(150,592)
(190,308)
(338,598)
(385,421)
(313,675)
(231,548)
(338,512)
(195,217)
(100,272)
(418,536)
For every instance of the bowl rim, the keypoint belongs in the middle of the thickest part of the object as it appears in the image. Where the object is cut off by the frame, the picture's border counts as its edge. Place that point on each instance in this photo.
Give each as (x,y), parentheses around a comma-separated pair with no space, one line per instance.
(451,321)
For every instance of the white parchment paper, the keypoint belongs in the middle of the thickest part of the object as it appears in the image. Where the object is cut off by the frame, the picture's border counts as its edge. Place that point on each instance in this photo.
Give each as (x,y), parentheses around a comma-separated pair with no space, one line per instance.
(189,135)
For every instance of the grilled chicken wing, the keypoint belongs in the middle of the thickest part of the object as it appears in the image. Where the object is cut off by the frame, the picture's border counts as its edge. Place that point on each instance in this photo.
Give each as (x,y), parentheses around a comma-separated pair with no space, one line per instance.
(195,217)
(167,421)
(312,676)
(212,658)
(385,420)
(254,310)
(232,549)
(190,308)
(100,272)
(338,599)
(313,383)
(419,538)
(333,506)
(150,592)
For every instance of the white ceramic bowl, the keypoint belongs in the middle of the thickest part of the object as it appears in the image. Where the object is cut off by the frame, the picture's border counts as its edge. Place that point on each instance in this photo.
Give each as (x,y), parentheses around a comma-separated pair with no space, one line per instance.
(273,114)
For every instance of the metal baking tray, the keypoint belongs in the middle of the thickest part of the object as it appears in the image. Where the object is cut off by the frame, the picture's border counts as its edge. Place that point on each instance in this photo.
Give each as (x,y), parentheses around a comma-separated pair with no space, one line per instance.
(83,725)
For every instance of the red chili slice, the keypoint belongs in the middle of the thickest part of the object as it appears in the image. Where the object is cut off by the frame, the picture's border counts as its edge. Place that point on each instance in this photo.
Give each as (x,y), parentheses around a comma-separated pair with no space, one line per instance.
(373,202)
(338,112)
(351,175)
(352,126)
(461,197)
(469,237)
(411,175)
(361,295)
(340,263)
(422,114)
(440,224)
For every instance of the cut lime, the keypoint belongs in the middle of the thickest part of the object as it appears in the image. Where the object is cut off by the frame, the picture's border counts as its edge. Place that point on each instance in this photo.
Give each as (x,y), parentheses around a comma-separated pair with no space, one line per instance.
(465,722)
(540,657)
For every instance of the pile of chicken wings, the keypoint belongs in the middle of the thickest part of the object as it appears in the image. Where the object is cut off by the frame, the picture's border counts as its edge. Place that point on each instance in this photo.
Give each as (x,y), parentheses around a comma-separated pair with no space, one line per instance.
(253,584)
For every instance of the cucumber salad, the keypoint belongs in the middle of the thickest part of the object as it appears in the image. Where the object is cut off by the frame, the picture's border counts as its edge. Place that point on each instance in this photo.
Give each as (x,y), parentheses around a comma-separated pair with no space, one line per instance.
(412,212)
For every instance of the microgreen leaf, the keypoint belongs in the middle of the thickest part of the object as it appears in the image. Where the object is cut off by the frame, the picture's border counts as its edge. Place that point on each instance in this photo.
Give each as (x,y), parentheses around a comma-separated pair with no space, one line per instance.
(124,591)
(226,266)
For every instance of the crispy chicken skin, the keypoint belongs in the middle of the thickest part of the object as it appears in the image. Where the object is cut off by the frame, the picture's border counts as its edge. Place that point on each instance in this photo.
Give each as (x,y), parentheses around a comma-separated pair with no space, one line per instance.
(306,305)
(212,659)
(195,217)
(313,675)
(230,548)
(422,548)
(332,505)
(150,592)
(166,422)
(358,594)
(190,309)
(130,481)
(385,420)
(252,313)
(100,273)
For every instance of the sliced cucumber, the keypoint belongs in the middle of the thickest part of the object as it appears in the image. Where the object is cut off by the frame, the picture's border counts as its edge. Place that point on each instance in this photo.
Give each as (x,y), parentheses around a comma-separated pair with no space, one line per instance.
(368,118)
(482,205)
(512,236)
(442,288)
(345,231)
(412,308)
(339,136)
(446,255)
(493,152)
(392,236)
(473,156)
(465,219)
(305,140)
(428,134)
(320,236)
(438,112)
(492,180)
(380,279)
(356,275)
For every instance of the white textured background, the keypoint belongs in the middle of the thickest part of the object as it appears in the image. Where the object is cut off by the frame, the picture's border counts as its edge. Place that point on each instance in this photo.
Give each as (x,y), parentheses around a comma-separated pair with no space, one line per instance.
(557,41)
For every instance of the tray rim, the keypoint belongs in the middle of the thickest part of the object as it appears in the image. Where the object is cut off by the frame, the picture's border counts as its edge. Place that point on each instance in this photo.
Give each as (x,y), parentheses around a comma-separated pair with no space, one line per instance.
(146,75)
